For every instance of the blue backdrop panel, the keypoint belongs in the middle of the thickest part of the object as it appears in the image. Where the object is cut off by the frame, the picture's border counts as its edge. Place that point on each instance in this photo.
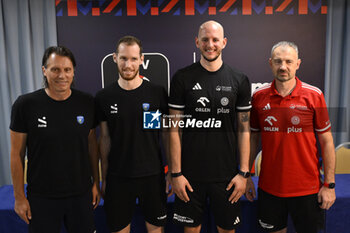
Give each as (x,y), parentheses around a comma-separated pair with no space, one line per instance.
(91,30)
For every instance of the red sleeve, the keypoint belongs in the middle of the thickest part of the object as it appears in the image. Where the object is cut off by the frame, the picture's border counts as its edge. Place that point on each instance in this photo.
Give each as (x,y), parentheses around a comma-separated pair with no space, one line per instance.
(254,118)
(321,119)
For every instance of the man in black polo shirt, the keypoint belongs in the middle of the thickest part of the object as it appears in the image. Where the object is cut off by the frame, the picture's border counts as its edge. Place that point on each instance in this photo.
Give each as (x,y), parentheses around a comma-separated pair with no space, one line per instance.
(55,125)
(129,112)
(213,98)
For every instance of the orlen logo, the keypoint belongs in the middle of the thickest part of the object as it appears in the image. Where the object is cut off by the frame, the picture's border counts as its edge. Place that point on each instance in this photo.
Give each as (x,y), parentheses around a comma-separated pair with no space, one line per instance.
(271,120)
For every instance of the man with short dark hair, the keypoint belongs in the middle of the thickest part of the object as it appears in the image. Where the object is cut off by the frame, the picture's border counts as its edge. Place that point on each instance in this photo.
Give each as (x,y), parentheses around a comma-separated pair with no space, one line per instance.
(56,126)
(210,99)
(287,113)
(130,151)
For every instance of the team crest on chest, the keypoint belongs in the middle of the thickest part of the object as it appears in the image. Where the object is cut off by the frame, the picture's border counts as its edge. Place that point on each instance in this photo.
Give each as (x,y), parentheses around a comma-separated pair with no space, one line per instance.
(145,106)
(224,101)
(80,119)
(295,120)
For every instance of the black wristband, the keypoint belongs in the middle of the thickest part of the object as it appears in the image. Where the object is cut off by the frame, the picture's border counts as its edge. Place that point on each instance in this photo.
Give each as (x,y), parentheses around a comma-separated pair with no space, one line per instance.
(177,174)
(244,174)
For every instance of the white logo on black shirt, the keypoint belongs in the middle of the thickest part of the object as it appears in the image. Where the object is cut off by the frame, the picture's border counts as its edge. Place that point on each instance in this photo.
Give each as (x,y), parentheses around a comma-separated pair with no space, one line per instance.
(265,225)
(202,100)
(224,101)
(42,123)
(161,217)
(223,88)
(197,87)
(114,108)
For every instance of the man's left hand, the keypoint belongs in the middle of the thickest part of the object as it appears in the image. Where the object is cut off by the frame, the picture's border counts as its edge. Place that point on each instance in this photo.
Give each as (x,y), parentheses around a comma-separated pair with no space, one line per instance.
(168,185)
(326,197)
(240,185)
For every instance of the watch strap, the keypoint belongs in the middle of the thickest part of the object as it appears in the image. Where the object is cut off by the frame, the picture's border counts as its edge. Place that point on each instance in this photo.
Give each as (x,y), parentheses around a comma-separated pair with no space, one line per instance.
(176,174)
(244,174)
(329,185)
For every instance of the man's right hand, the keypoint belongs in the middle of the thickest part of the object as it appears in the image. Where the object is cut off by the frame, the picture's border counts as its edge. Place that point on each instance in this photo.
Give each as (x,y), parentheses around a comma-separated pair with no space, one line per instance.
(250,192)
(180,184)
(22,208)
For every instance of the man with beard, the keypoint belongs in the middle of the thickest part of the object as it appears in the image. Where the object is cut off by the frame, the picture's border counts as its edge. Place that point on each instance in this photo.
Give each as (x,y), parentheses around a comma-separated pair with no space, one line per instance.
(56,126)
(287,113)
(131,155)
(203,159)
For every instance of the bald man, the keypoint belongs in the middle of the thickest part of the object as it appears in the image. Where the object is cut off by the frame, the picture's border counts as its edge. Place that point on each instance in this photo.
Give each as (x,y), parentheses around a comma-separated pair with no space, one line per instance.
(207,100)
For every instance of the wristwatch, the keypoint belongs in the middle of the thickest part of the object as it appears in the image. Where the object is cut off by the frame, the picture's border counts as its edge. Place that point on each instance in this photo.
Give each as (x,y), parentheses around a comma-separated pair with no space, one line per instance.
(329,185)
(176,174)
(244,174)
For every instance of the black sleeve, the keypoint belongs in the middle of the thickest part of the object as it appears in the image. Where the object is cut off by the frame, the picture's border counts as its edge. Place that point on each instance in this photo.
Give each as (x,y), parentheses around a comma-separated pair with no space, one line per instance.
(164,101)
(18,123)
(99,113)
(244,95)
(94,117)
(177,92)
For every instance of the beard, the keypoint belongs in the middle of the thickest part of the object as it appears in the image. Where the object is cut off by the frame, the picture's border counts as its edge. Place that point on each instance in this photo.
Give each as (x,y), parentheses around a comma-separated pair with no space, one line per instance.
(128,78)
(211,59)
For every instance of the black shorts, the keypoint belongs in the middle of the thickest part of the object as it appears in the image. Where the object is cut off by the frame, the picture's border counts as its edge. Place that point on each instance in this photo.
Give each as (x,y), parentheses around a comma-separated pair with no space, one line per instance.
(226,215)
(48,214)
(305,212)
(120,200)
